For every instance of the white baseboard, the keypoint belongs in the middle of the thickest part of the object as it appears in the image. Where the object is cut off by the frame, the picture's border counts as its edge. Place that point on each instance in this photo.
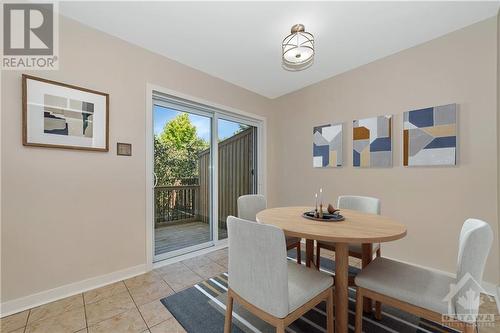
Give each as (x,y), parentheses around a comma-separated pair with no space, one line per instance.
(47,296)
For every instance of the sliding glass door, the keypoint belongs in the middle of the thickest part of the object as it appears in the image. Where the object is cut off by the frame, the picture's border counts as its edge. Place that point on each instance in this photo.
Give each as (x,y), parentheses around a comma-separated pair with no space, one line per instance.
(195,148)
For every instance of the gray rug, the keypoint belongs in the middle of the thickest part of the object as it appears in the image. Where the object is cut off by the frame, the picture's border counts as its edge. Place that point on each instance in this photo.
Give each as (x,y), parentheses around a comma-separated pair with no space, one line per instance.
(201,309)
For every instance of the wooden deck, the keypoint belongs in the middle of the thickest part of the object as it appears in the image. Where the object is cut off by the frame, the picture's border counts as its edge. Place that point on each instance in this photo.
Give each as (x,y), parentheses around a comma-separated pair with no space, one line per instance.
(178,236)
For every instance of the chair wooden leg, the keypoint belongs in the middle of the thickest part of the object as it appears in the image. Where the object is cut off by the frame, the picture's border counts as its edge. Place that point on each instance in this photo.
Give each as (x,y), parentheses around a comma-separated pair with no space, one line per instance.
(469,328)
(366,259)
(299,255)
(378,305)
(378,310)
(329,312)
(280,328)
(229,313)
(359,311)
(318,258)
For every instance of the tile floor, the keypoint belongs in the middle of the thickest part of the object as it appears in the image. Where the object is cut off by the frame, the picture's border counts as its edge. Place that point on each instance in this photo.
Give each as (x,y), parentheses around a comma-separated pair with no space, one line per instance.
(134,305)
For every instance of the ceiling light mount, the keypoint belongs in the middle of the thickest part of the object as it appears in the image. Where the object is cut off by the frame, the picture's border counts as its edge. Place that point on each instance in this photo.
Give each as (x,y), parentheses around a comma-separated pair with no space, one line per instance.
(297,49)
(297,28)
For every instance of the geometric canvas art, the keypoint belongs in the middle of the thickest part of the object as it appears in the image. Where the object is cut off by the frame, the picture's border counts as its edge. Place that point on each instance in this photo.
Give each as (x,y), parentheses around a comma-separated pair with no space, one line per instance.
(59,115)
(372,142)
(430,136)
(327,146)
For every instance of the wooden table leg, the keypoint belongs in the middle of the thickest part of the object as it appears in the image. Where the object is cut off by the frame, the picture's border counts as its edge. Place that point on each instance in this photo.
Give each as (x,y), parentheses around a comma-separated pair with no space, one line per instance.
(341,286)
(309,252)
(366,258)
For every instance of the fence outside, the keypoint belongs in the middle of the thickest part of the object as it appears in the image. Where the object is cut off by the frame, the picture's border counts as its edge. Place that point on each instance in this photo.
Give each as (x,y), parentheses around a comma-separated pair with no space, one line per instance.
(236,174)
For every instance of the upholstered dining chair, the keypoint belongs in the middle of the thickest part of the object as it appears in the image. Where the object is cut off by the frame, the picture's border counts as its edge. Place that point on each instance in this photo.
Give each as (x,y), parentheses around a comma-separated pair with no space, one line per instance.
(427,293)
(248,207)
(358,203)
(264,282)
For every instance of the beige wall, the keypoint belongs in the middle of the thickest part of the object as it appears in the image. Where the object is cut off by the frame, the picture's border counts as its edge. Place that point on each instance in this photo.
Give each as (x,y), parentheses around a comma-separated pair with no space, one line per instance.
(71,215)
(433,202)
(498,134)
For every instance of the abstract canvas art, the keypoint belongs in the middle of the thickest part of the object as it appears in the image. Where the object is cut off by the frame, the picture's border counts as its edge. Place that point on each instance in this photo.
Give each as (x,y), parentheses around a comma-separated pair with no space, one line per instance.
(66,116)
(372,142)
(430,136)
(327,146)
(63,116)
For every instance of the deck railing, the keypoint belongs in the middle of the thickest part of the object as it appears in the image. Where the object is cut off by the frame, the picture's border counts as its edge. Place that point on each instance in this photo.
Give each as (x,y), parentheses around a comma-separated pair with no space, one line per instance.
(176,203)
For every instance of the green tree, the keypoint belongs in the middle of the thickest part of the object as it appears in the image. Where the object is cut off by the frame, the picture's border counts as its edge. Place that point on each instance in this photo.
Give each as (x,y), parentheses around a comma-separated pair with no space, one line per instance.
(176,151)
(180,132)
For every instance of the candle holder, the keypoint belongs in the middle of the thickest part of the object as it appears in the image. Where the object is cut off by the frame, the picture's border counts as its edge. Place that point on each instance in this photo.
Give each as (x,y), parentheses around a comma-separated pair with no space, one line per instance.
(316,205)
(320,213)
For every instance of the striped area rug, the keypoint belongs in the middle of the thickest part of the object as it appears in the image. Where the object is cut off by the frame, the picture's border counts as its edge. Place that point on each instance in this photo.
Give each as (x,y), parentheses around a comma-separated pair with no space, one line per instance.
(201,309)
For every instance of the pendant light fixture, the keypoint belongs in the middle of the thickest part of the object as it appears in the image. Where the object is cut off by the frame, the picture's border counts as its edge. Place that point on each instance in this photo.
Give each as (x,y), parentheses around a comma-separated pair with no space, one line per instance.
(298,49)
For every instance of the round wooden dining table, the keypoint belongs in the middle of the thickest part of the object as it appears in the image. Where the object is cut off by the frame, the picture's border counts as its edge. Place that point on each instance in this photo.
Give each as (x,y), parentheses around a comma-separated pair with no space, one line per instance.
(360,228)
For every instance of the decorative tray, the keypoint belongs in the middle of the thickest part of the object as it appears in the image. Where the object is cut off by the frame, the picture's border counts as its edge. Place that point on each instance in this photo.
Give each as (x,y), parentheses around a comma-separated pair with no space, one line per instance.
(335,217)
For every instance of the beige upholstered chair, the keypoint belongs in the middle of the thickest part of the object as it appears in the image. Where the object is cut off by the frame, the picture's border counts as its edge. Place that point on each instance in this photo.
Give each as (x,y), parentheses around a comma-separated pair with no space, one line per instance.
(248,207)
(263,281)
(358,203)
(427,293)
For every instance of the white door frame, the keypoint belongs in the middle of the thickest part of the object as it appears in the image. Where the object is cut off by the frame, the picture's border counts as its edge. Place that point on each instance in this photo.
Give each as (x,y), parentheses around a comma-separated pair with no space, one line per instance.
(222,111)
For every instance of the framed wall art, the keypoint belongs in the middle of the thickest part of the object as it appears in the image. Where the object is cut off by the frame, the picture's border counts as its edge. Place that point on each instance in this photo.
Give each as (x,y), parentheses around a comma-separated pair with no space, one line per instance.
(58,115)
(372,142)
(430,136)
(327,146)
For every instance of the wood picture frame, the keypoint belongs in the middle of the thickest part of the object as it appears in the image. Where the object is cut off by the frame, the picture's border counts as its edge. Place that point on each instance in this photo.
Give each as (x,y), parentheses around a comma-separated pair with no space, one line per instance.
(60,125)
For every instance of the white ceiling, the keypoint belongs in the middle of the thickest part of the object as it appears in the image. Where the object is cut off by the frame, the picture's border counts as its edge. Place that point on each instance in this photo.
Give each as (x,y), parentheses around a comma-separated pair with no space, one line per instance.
(240,42)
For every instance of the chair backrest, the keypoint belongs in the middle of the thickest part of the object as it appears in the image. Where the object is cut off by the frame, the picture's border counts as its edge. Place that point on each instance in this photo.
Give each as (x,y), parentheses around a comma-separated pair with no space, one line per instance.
(249,205)
(258,265)
(475,242)
(362,204)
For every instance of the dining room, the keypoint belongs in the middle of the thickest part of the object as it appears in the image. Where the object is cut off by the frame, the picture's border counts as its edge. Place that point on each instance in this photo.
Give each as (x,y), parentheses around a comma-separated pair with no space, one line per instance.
(250,167)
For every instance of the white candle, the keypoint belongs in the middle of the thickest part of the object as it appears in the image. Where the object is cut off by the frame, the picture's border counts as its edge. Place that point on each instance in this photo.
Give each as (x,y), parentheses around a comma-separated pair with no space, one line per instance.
(321,195)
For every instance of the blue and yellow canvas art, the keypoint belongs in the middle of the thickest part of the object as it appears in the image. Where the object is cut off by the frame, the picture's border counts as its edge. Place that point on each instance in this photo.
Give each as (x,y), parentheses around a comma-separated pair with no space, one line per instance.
(327,146)
(430,136)
(372,142)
